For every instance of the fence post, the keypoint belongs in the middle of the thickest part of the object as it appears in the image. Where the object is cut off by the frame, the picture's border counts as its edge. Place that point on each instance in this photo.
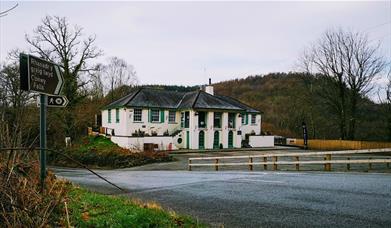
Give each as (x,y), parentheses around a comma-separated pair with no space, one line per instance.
(189,165)
(325,164)
(369,164)
(328,156)
(217,164)
(264,166)
(297,165)
(274,165)
(250,167)
(348,165)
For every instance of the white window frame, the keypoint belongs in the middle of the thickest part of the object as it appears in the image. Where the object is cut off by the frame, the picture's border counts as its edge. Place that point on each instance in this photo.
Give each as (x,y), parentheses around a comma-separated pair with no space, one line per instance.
(253,119)
(137,117)
(171,116)
(155,115)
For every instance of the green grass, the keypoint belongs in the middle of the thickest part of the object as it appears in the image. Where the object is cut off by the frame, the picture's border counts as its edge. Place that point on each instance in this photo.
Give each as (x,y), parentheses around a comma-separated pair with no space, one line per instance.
(88,209)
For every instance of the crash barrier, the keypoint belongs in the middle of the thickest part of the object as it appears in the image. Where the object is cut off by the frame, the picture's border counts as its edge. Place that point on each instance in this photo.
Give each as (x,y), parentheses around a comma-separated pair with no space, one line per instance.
(275,159)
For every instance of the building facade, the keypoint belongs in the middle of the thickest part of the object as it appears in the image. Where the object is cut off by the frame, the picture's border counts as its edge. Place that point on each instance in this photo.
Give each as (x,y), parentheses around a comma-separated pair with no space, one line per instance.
(175,120)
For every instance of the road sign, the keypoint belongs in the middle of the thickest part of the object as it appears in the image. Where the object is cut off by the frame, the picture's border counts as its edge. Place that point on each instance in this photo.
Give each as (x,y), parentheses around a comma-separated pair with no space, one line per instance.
(57,101)
(44,77)
(54,101)
(39,75)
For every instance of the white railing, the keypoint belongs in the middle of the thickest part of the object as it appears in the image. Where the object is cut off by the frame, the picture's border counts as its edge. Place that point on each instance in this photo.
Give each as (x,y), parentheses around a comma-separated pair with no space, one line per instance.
(275,157)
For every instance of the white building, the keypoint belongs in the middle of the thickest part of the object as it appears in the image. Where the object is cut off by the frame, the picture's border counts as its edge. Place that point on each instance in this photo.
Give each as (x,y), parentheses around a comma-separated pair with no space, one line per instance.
(174,120)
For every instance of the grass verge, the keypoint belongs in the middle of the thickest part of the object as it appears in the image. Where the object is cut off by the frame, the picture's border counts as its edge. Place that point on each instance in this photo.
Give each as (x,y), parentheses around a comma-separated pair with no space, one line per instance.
(88,209)
(100,152)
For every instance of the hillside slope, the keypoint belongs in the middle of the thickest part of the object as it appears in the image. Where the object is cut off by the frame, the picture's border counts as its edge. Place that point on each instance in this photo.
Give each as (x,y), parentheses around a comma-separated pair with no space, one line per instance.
(287,100)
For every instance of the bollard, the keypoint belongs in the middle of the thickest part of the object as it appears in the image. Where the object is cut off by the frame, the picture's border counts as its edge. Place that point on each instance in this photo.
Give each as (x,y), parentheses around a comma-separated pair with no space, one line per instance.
(250,166)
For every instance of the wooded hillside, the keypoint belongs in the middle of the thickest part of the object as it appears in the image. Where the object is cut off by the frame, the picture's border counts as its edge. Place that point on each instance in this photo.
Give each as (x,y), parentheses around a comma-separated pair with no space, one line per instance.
(287,99)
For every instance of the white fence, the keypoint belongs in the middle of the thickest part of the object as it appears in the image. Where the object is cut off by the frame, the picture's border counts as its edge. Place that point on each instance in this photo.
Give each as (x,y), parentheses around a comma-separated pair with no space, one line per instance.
(216,161)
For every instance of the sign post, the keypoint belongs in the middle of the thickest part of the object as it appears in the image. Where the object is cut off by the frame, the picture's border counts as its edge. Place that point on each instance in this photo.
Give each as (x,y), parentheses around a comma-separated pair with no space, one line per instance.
(42,139)
(44,77)
(305,135)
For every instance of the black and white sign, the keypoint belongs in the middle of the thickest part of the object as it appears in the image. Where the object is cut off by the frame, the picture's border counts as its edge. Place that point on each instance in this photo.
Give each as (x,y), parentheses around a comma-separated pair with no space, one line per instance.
(55,101)
(39,75)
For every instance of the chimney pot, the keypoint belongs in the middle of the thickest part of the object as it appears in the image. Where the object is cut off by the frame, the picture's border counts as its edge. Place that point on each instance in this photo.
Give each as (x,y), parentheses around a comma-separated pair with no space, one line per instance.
(210,81)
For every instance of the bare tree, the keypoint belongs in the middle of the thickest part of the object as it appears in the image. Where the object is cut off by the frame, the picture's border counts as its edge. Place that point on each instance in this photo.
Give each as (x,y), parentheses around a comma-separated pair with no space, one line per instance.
(118,73)
(346,63)
(57,41)
(13,106)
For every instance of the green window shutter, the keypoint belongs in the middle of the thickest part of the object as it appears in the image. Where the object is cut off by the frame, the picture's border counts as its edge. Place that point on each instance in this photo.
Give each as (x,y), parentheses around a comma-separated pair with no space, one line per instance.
(109,116)
(149,115)
(246,118)
(161,116)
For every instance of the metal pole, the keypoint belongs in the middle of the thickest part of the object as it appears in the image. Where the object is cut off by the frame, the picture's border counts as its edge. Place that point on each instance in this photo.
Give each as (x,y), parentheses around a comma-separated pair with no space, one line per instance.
(42,139)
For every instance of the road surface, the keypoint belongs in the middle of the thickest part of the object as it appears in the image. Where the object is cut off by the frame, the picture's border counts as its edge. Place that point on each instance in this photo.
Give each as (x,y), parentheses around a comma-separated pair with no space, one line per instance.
(257,199)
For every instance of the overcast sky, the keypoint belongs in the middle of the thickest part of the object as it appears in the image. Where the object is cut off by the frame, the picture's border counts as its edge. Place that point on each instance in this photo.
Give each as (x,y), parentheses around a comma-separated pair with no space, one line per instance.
(185,43)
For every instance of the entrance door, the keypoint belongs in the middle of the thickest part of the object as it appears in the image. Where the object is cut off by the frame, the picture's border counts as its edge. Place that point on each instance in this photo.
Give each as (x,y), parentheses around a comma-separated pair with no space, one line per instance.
(187,140)
(230,139)
(201,140)
(216,140)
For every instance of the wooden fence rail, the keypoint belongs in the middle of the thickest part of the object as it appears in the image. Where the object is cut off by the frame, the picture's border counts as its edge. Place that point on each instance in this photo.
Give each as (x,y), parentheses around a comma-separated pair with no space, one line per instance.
(327,161)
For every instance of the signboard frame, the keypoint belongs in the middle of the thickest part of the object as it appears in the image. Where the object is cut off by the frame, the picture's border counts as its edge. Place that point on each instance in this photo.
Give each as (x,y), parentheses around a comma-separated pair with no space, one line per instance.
(25,79)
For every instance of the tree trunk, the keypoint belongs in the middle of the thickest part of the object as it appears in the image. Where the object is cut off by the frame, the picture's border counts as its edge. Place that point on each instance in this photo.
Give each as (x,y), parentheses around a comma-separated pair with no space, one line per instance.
(342,120)
(353,114)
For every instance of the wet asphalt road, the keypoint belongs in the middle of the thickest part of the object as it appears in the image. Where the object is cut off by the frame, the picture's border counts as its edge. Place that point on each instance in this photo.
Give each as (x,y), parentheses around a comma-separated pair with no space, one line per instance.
(257,199)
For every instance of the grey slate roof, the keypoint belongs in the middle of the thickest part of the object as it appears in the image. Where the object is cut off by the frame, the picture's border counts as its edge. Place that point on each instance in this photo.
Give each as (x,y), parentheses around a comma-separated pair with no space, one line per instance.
(238,104)
(156,98)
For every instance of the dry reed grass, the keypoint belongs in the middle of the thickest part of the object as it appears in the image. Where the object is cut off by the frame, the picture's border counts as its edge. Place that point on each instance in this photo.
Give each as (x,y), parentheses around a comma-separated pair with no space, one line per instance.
(22,204)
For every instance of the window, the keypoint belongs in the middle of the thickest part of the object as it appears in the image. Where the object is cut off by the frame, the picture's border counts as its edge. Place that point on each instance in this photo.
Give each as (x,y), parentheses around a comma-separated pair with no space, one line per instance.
(217,120)
(171,116)
(201,119)
(231,120)
(155,115)
(244,119)
(138,115)
(253,118)
(109,116)
(117,115)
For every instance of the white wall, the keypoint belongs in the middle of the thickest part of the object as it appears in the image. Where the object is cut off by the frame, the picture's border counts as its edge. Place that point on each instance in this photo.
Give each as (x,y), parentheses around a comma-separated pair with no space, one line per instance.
(137,143)
(261,141)
(149,127)
(248,128)
(120,128)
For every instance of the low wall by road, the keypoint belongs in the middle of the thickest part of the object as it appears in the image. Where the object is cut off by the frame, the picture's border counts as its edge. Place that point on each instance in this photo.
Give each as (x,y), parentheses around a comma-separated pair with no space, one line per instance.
(261,141)
(319,144)
(137,143)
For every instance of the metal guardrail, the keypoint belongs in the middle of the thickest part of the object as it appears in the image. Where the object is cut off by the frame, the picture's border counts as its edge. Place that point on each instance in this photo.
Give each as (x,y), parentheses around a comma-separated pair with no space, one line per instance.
(327,162)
